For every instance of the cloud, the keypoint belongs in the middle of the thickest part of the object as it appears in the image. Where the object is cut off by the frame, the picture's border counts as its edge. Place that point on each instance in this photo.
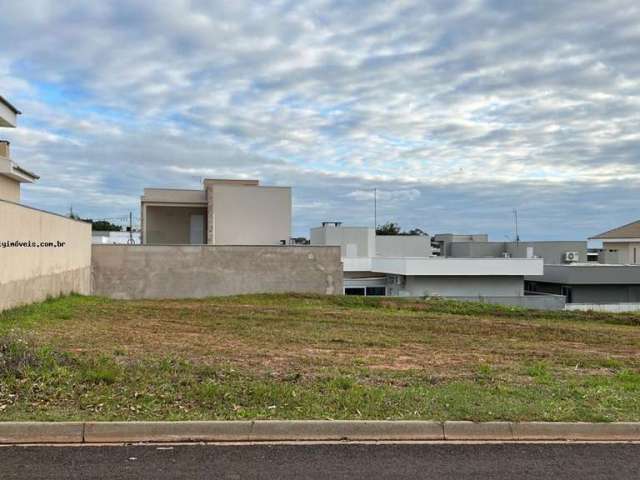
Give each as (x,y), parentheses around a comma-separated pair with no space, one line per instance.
(457,112)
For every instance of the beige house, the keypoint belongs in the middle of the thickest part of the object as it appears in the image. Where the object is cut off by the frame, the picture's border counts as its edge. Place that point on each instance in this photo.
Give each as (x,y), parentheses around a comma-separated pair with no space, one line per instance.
(11,174)
(621,245)
(223,212)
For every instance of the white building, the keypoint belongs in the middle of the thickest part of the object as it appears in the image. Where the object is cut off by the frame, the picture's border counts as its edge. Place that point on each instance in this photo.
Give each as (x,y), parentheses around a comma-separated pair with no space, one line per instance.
(402,265)
(223,212)
(121,238)
(12,175)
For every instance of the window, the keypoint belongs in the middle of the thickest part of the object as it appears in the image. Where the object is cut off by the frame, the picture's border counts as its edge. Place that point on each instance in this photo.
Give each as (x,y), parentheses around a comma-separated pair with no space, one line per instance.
(366,291)
(354,291)
(376,291)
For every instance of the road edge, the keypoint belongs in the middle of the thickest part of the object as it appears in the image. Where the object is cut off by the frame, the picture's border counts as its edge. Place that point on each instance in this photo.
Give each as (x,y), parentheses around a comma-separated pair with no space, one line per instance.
(310,430)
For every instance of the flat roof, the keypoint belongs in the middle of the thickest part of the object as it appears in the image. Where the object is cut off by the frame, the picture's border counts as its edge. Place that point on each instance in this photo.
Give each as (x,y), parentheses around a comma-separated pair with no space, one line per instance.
(9,105)
(591,274)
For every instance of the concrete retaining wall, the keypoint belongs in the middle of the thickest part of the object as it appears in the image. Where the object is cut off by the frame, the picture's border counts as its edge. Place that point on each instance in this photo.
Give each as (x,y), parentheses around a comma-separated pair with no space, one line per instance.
(471,286)
(31,273)
(536,302)
(606,307)
(172,271)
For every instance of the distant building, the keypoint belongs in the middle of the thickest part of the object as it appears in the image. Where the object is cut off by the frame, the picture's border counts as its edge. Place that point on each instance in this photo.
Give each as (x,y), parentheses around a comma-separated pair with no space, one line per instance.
(581,275)
(11,174)
(402,265)
(621,245)
(223,212)
(120,238)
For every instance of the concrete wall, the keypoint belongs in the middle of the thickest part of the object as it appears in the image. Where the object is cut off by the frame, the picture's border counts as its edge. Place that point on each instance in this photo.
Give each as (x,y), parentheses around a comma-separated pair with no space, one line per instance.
(476,249)
(535,302)
(9,189)
(174,195)
(446,240)
(552,251)
(485,286)
(357,241)
(249,215)
(31,274)
(403,246)
(145,271)
(611,307)
(171,225)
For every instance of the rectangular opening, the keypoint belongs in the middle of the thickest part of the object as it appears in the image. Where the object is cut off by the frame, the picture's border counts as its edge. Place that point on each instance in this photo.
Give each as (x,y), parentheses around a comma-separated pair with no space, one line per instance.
(376,291)
(567,292)
(196,231)
(360,291)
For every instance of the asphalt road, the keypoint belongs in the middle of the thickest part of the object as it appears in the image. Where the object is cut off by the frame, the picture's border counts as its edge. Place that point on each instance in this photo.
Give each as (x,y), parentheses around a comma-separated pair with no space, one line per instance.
(320,461)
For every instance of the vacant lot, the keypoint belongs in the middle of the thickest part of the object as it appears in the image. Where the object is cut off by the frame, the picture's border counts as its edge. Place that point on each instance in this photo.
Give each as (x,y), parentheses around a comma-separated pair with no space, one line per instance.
(277,356)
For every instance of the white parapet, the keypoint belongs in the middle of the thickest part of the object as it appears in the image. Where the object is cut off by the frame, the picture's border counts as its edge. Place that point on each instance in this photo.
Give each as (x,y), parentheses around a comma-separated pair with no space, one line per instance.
(435,266)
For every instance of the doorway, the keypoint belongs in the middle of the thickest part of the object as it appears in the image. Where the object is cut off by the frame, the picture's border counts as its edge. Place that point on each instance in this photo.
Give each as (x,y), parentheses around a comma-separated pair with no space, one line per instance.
(196,230)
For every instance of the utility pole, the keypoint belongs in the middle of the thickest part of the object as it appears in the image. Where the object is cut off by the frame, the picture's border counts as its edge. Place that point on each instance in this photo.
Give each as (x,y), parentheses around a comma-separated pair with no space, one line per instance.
(515,218)
(131,228)
(375,208)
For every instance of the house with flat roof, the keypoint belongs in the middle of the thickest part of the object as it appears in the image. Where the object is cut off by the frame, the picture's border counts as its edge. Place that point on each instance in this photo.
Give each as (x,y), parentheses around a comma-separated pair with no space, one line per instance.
(613,279)
(403,265)
(223,212)
(568,269)
(12,175)
(621,245)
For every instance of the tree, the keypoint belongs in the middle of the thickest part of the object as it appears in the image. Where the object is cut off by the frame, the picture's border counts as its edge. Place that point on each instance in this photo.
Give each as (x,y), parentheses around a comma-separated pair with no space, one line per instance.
(388,228)
(417,232)
(391,228)
(105,226)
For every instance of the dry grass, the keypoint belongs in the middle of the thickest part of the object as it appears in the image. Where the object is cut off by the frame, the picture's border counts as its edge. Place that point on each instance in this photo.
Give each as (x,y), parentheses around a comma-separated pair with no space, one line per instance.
(304,357)
(280,333)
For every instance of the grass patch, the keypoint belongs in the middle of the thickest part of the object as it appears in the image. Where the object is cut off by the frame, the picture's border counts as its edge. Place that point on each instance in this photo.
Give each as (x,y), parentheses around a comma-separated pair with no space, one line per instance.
(313,357)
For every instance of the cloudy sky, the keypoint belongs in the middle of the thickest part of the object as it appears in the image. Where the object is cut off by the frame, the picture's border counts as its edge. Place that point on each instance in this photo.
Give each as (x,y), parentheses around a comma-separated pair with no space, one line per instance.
(456,111)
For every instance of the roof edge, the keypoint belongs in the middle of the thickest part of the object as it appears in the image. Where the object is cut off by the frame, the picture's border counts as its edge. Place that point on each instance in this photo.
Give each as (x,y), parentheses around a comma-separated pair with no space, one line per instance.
(10,106)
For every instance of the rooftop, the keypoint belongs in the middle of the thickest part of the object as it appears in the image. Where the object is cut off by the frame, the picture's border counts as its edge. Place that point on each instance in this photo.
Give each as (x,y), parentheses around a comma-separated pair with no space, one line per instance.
(630,230)
(8,113)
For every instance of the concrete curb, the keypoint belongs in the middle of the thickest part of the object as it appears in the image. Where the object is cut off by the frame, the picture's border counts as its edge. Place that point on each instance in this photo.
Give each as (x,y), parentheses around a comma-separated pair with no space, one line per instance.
(309,430)
(41,432)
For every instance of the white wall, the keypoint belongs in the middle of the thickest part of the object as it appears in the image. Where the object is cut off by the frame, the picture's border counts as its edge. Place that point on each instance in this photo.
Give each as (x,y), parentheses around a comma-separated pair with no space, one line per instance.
(624,254)
(32,273)
(403,246)
(361,239)
(461,286)
(250,215)
(9,189)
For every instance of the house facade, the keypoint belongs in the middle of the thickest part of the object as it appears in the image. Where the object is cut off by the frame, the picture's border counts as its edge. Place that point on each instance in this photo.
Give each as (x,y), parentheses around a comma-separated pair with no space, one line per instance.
(223,212)
(621,245)
(11,174)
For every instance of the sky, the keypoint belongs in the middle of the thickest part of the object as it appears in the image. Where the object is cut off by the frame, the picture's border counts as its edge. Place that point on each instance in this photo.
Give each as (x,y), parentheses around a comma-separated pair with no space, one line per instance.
(457,112)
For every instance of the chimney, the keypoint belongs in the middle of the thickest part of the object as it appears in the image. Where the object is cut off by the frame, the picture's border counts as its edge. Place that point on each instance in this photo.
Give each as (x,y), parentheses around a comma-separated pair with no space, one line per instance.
(4,148)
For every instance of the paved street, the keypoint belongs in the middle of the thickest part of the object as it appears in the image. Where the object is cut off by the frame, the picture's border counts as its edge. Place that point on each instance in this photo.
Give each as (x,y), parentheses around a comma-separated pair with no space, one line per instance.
(316,461)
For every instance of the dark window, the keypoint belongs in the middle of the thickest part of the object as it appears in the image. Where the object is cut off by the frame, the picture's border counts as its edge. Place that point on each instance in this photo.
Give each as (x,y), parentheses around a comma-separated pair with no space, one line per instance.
(354,291)
(567,292)
(376,291)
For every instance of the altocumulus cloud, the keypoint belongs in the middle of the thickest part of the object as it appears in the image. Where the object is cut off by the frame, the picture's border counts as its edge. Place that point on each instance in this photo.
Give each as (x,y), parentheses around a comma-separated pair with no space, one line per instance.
(456,111)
